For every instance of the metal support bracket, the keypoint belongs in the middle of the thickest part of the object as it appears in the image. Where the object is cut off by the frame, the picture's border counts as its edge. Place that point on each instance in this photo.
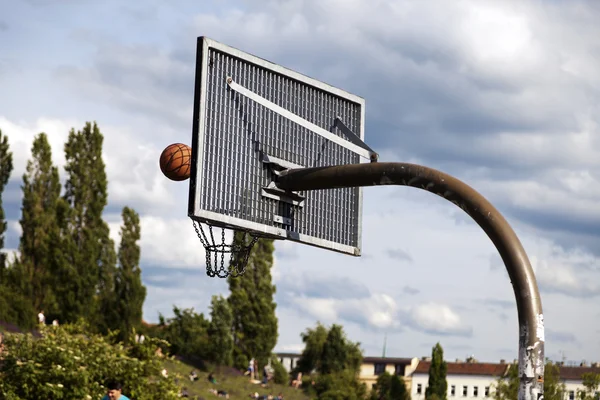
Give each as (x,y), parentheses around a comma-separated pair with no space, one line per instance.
(277,166)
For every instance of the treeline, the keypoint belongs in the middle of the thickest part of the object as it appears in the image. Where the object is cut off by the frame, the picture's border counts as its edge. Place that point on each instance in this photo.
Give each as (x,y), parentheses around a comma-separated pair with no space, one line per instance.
(67,265)
(240,328)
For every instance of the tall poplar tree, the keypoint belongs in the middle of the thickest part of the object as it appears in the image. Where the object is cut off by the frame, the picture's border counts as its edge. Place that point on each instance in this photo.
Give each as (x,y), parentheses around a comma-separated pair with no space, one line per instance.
(253,307)
(219,331)
(6,167)
(41,193)
(130,293)
(437,386)
(90,259)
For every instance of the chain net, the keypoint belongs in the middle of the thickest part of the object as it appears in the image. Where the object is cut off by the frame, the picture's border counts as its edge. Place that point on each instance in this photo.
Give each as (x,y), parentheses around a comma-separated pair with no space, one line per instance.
(238,250)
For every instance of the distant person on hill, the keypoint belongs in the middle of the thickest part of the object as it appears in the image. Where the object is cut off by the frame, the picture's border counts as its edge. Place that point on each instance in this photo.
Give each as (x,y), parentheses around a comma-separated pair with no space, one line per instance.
(114,390)
(212,379)
(41,318)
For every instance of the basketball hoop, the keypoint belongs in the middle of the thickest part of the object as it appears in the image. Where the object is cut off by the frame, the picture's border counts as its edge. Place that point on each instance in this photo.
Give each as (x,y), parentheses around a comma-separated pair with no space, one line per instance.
(238,250)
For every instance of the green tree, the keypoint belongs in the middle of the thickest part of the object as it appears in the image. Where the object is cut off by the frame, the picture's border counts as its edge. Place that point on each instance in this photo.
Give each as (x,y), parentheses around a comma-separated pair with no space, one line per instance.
(186,332)
(343,385)
(253,307)
(6,167)
(398,389)
(40,234)
(328,351)
(313,339)
(219,331)
(14,307)
(339,353)
(591,383)
(89,263)
(130,293)
(280,374)
(507,387)
(389,387)
(437,384)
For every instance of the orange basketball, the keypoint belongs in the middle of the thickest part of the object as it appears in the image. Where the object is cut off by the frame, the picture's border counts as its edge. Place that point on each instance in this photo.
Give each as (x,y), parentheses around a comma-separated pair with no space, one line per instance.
(175,161)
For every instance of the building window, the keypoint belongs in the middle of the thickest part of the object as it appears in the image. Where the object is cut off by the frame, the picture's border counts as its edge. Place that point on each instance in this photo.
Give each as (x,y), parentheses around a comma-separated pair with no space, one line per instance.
(399,369)
(475,391)
(453,390)
(379,369)
(465,391)
(419,388)
(487,391)
(572,395)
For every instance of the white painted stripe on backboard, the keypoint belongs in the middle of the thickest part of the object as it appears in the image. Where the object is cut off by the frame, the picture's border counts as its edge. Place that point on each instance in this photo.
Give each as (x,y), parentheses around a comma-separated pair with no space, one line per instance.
(299,120)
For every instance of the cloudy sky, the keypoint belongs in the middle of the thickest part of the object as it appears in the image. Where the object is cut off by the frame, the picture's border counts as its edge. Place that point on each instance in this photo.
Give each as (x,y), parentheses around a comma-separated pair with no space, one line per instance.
(503,94)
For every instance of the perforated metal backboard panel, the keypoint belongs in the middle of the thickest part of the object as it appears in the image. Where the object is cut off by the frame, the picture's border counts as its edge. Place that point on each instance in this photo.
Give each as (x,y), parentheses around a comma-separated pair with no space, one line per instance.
(237,140)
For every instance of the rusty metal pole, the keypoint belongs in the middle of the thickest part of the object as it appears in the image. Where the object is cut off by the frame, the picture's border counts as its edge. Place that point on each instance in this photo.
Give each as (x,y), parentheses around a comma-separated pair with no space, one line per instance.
(529,305)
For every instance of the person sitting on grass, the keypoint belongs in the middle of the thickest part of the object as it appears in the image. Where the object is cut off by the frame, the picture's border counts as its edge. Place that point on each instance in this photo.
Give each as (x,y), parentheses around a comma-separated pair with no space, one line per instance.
(114,391)
(212,379)
(193,375)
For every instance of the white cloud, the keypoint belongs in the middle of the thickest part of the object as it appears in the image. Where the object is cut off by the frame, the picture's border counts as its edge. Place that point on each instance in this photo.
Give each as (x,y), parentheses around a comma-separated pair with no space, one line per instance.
(438,319)
(503,94)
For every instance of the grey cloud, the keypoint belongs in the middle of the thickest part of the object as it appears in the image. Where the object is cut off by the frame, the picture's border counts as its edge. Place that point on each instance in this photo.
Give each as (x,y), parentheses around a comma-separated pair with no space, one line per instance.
(142,79)
(410,290)
(560,336)
(170,277)
(399,254)
(561,279)
(584,290)
(321,287)
(504,304)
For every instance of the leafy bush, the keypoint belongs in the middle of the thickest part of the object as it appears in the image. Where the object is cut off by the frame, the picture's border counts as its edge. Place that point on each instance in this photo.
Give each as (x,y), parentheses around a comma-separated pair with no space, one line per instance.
(66,363)
(342,385)
(280,375)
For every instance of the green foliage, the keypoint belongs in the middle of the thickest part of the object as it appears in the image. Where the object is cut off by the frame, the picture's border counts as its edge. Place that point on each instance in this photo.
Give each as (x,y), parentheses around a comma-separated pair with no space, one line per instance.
(33,273)
(89,260)
(398,389)
(253,307)
(125,306)
(65,363)
(507,387)
(219,332)
(389,387)
(343,385)
(186,332)
(280,375)
(15,308)
(338,353)
(6,167)
(437,374)
(328,351)
(591,383)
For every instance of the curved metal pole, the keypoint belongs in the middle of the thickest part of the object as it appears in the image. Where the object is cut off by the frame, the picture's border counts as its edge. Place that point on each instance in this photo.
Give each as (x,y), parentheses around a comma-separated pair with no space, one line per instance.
(529,306)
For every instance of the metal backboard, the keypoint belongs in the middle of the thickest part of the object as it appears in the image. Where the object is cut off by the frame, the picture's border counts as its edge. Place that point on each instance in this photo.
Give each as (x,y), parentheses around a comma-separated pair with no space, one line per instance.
(251,119)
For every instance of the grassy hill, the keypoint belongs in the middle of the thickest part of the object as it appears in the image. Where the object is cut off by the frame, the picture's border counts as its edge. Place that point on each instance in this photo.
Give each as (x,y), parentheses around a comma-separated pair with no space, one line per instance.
(229,380)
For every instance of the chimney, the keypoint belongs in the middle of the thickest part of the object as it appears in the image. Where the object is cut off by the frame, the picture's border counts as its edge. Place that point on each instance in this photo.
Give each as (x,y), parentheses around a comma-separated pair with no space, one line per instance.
(458,361)
(583,364)
(503,361)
